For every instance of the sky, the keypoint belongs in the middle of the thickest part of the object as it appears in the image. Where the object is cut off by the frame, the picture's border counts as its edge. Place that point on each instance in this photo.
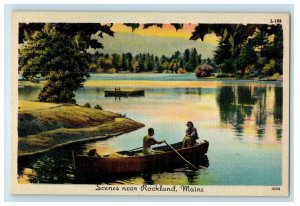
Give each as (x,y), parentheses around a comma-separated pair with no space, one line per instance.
(166,31)
(155,40)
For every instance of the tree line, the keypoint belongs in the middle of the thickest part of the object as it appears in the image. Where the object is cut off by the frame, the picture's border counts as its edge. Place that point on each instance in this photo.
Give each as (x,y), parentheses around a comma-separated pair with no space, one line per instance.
(57,53)
(179,62)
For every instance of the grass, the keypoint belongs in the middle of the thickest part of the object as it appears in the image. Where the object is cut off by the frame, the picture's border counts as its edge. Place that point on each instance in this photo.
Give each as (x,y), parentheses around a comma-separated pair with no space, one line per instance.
(29,105)
(43,126)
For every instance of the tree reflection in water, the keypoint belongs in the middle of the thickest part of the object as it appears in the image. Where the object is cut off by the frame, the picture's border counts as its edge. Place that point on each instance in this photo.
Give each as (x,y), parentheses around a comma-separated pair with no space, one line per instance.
(261,114)
(238,102)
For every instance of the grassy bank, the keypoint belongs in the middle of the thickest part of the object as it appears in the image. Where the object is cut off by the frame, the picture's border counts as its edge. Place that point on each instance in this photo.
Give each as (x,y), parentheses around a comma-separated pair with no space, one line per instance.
(44,126)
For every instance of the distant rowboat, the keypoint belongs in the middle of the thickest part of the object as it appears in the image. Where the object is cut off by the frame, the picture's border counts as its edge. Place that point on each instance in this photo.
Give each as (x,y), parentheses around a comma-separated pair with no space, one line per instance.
(124,93)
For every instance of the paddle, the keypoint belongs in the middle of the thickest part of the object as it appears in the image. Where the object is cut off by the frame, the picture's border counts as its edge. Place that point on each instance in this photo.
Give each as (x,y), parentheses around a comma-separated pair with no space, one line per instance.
(193,166)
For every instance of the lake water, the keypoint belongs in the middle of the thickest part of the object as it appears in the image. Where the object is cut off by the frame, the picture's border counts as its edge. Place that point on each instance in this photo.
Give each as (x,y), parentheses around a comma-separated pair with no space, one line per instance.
(242,120)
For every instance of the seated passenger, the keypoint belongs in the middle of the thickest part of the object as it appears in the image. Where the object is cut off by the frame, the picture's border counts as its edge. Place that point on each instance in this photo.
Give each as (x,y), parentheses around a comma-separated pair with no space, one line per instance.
(191,135)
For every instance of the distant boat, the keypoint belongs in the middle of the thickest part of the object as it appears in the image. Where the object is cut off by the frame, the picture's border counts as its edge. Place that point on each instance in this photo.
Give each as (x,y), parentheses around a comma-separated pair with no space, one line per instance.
(124,93)
(136,162)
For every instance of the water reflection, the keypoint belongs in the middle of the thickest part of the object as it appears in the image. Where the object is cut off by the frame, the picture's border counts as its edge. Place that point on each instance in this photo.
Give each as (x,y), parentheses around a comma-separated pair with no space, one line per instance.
(53,167)
(278,105)
(29,92)
(277,112)
(236,104)
(56,167)
(261,114)
(239,118)
(161,176)
(193,91)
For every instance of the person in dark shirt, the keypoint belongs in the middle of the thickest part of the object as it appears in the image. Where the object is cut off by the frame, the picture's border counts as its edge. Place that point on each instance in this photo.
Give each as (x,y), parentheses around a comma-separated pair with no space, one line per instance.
(191,135)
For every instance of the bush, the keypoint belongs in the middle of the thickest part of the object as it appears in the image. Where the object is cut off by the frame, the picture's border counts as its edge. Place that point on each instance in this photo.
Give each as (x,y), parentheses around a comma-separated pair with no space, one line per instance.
(98,107)
(269,68)
(181,71)
(87,105)
(204,70)
(93,67)
(112,70)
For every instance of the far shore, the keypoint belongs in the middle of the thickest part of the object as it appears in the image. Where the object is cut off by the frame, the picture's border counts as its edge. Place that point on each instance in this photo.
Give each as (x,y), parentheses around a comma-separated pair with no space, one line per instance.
(201,82)
(47,126)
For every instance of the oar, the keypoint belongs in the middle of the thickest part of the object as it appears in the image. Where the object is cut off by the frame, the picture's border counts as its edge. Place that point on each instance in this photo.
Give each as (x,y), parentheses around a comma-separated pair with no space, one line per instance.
(193,166)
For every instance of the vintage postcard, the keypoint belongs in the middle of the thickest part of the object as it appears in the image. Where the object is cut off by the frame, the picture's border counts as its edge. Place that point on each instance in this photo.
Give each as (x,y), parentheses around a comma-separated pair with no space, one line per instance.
(186,104)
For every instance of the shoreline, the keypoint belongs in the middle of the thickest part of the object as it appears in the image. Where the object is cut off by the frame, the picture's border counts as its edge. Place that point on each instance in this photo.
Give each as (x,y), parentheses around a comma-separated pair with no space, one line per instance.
(44,127)
(145,83)
(105,137)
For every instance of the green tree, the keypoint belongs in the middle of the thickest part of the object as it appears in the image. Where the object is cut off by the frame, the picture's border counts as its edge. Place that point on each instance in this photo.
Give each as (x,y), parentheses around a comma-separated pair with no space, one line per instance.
(186,55)
(274,50)
(104,62)
(57,53)
(55,57)
(193,60)
(116,61)
(128,62)
(123,65)
(246,59)
(157,65)
(141,63)
(223,57)
(199,59)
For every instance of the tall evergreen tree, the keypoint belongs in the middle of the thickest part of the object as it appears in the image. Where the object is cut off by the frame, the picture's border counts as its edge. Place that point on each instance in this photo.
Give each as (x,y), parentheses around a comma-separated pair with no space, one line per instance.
(123,65)
(247,57)
(186,55)
(193,59)
(141,63)
(116,60)
(223,57)
(129,62)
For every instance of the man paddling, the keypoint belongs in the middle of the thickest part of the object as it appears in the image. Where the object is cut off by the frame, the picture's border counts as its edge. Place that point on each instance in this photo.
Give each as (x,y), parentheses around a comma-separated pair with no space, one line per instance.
(148,141)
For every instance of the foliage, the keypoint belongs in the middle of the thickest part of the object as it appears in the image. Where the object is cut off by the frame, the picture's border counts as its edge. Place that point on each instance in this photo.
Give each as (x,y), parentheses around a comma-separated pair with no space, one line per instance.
(81,32)
(112,70)
(55,58)
(235,34)
(98,107)
(223,58)
(204,70)
(257,55)
(88,105)
(146,62)
(246,58)
(181,70)
(56,52)
(231,54)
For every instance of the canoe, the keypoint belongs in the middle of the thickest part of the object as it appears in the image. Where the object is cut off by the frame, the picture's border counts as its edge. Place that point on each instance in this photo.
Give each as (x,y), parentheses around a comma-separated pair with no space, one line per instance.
(130,162)
(124,93)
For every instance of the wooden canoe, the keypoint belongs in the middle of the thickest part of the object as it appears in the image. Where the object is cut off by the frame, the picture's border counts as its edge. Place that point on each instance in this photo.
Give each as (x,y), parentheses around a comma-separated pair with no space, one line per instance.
(130,163)
(124,93)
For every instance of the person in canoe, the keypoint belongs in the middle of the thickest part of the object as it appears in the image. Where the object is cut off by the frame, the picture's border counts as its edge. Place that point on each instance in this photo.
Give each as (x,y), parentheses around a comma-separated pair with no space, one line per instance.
(191,135)
(148,141)
(93,153)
